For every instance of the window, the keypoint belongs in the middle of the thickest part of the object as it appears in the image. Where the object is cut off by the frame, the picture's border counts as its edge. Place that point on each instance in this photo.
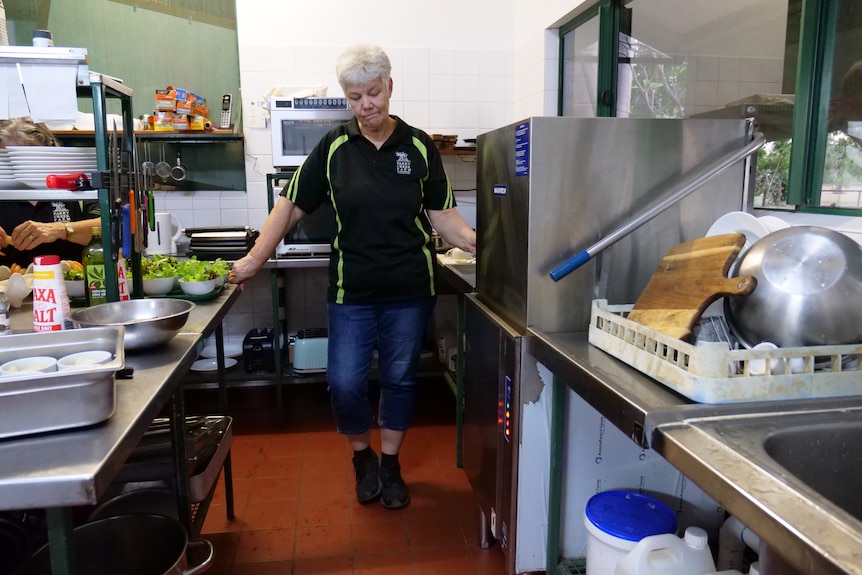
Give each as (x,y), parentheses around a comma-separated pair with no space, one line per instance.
(789,64)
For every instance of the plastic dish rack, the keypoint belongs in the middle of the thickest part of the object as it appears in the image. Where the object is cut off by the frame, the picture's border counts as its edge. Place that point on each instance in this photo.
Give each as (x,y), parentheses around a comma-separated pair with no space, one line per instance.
(710,372)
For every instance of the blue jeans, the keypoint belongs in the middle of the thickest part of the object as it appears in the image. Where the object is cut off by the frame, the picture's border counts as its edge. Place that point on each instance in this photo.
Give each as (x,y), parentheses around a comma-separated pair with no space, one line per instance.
(397,331)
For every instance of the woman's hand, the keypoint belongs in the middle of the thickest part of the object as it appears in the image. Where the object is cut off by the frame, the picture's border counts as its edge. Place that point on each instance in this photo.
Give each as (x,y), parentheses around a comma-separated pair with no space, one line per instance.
(30,234)
(242,270)
(454,229)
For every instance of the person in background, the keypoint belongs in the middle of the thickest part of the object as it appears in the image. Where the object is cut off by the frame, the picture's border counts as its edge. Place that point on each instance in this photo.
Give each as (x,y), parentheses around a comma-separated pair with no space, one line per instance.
(386,182)
(33,228)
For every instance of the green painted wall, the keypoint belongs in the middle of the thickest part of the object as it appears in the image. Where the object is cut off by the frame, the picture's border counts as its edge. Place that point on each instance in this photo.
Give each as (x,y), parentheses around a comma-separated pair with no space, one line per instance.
(148,50)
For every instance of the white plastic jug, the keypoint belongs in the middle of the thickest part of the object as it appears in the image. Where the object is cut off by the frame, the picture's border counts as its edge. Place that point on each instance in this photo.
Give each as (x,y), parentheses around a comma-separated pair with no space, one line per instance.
(163,240)
(667,554)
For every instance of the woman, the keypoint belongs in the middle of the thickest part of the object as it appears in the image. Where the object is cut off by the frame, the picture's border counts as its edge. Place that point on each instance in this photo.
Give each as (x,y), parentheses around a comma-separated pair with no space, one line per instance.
(32,228)
(388,189)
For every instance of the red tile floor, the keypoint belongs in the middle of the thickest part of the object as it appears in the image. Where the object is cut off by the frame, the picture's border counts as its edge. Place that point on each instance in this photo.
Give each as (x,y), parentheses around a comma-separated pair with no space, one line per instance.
(295,508)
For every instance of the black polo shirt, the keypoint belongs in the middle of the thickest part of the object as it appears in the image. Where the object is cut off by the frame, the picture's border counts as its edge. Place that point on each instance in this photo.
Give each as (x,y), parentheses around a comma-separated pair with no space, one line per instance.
(13,213)
(382,249)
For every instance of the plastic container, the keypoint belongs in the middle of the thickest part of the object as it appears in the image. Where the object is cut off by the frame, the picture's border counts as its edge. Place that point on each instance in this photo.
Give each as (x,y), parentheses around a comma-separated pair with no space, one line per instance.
(702,372)
(50,300)
(668,554)
(616,520)
(5,325)
(43,38)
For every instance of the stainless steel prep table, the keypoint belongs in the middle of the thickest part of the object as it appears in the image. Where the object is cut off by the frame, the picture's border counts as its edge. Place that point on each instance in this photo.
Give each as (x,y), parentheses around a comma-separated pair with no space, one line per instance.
(654,417)
(460,282)
(59,470)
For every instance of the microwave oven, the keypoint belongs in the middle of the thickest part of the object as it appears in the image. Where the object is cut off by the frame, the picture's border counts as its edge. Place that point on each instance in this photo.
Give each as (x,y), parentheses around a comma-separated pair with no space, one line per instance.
(298,124)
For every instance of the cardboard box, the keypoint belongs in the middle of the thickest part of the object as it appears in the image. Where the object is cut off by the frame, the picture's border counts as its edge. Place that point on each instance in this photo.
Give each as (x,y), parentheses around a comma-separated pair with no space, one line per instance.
(166,100)
(183,107)
(199,109)
(181,122)
(163,121)
(200,123)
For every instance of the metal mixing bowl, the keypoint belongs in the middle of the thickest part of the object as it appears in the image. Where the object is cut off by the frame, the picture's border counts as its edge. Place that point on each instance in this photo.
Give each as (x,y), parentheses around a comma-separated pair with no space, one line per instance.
(809,289)
(148,322)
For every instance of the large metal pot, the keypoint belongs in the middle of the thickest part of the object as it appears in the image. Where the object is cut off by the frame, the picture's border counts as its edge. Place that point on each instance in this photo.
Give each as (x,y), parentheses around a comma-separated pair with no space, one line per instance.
(127,544)
(809,285)
(148,322)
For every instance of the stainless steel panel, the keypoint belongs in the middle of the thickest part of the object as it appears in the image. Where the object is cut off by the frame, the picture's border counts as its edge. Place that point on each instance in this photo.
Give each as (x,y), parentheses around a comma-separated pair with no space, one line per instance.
(492,386)
(586,177)
(481,409)
(35,403)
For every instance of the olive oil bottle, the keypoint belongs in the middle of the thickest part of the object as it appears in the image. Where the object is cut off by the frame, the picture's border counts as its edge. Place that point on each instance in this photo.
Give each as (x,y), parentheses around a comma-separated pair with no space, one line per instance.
(94,269)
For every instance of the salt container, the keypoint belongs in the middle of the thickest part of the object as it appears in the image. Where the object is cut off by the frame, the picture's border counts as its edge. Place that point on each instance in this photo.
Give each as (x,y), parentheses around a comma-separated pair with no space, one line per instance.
(50,301)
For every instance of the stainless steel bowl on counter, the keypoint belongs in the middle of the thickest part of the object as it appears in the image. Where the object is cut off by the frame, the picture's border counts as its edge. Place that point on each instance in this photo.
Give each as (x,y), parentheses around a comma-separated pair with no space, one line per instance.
(809,289)
(148,322)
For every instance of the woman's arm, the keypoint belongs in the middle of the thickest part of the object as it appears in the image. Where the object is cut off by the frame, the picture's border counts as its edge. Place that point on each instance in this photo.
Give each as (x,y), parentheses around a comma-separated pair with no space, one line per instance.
(454,228)
(283,217)
(30,234)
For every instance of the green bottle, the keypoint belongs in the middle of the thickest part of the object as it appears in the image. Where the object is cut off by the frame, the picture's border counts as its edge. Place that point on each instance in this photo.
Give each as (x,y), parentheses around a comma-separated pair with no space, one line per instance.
(94,269)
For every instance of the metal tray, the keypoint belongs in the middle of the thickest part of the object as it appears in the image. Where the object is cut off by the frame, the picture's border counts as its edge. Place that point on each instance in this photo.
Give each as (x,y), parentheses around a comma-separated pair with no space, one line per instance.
(62,399)
(201,483)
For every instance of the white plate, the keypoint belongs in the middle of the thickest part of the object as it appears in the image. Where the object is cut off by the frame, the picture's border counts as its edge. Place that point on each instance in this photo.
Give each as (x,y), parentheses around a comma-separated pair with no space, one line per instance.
(35,183)
(43,173)
(49,150)
(772,223)
(232,348)
(739,222)
(212,364)
(53,164)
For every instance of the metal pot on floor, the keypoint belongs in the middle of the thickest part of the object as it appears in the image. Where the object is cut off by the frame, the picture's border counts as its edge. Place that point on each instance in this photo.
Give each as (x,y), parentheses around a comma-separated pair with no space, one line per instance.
(128,544)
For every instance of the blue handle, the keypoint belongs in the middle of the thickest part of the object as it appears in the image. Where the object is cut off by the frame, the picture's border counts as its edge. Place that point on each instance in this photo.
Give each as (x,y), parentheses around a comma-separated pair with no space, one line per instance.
(569,266)
(127,231)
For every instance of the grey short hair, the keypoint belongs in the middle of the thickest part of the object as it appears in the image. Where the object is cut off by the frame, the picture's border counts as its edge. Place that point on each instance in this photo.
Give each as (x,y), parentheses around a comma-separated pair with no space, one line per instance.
(23,131)
(362,63)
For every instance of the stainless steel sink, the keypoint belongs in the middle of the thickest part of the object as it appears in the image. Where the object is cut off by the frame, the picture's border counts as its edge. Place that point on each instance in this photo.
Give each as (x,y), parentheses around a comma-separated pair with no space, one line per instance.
(793,477)
(826,456)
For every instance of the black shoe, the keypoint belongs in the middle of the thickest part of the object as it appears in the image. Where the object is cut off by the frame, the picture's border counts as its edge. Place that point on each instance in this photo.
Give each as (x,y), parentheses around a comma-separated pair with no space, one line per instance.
(394,494)
(368,484)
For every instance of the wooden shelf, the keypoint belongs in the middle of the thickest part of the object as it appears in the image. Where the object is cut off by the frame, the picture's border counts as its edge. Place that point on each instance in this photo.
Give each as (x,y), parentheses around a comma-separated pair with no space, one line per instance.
(152,135)
(458,152)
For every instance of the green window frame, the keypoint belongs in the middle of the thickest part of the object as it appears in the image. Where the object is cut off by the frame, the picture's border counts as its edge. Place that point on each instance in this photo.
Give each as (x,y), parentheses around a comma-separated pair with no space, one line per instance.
(813,81)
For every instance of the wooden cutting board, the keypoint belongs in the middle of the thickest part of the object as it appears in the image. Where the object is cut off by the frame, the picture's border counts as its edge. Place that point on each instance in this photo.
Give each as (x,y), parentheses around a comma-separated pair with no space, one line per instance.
(689,277)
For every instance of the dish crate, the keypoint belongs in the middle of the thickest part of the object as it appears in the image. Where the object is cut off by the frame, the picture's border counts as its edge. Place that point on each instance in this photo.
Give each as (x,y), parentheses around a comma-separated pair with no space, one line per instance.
(711,372)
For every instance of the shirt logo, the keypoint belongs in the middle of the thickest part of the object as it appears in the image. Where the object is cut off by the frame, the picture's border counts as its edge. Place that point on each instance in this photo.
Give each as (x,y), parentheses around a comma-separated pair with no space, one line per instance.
(402,164)
(61,212)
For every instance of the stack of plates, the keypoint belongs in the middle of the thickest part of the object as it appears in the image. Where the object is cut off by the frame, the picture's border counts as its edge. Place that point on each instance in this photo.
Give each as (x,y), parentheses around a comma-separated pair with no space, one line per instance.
(32,164)
(7,177)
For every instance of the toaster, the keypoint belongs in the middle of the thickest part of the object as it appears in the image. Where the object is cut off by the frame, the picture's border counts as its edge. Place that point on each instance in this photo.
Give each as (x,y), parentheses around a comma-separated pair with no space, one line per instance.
(309,350)
(258,350)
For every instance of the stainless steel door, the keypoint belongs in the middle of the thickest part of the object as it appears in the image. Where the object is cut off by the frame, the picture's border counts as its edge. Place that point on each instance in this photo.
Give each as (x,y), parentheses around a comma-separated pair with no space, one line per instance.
(491,422)
(481,411)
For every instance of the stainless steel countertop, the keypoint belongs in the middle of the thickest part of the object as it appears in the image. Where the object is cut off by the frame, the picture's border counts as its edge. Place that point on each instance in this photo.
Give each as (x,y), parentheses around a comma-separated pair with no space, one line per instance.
(460,277)
(297,262)
(656,417)
(75,467)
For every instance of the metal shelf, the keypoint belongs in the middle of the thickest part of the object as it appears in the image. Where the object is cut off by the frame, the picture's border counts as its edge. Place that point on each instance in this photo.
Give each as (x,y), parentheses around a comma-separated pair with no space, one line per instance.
(48,195)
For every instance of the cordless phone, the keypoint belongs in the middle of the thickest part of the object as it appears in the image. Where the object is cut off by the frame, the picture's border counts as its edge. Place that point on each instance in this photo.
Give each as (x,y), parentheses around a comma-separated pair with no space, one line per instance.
(225,111)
